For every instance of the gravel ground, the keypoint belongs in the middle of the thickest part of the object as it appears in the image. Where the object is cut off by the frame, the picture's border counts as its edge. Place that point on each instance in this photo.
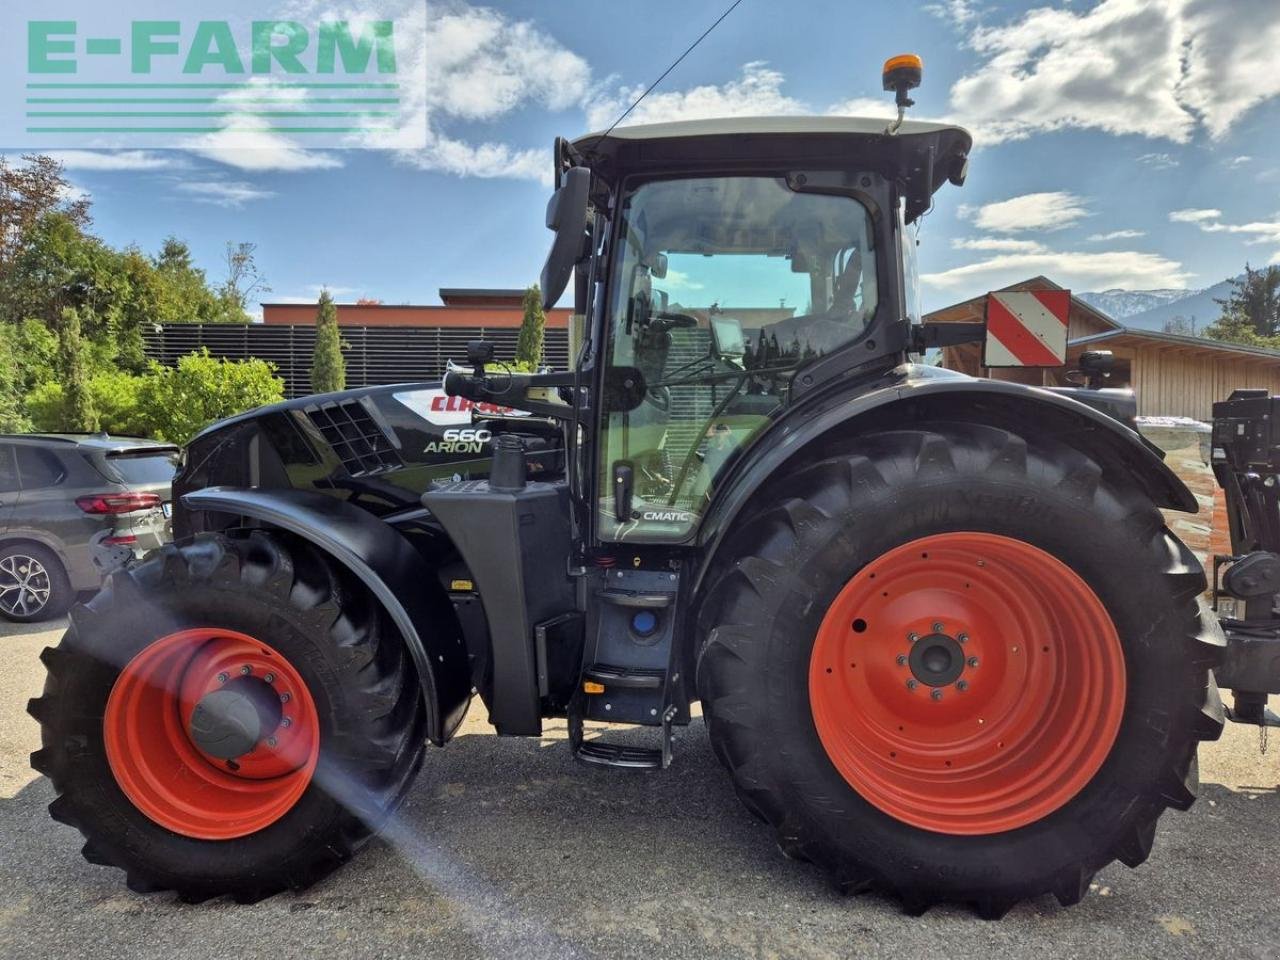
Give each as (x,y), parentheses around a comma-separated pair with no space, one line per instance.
(508,848)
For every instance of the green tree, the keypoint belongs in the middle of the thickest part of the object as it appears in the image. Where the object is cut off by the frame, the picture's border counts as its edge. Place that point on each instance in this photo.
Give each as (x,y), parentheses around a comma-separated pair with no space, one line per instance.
(529,343)
(177,402)
(81,417)
(1251,311)
(184,292)
(244,280)
(27,194)
(328,369)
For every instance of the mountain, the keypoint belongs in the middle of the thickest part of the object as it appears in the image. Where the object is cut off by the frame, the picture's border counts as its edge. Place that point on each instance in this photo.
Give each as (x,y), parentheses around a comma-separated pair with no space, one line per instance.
(1153,309)
(1119,304)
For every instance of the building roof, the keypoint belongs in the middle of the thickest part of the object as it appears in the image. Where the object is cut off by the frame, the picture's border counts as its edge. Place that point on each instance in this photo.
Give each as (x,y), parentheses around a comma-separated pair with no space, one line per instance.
(1131,333)
(1038,282)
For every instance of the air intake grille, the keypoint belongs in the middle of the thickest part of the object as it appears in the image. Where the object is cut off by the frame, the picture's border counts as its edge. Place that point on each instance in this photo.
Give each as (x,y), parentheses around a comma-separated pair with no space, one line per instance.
(359,442)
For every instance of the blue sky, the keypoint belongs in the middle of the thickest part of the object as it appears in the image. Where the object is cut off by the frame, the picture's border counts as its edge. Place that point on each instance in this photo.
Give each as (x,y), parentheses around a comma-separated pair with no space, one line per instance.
(1120,143)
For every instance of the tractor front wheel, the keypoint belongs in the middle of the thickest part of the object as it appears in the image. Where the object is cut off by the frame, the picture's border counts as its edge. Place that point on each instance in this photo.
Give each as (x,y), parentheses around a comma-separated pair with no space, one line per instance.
(957,664)
(231,716)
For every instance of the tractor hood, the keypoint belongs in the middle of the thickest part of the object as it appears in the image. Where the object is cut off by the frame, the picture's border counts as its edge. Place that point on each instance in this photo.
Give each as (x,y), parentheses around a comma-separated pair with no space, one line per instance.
(920,156)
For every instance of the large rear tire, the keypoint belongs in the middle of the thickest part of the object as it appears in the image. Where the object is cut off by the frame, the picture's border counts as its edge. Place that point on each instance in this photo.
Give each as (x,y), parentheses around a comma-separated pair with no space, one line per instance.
(317,725)
(955,664)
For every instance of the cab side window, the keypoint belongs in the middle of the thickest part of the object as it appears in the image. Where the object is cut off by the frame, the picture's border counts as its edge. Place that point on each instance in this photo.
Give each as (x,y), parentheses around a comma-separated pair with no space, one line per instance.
(38,468)
(8,469)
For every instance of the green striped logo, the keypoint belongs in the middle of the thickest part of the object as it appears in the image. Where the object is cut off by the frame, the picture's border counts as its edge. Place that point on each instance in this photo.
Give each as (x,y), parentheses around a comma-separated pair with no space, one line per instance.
(160,82)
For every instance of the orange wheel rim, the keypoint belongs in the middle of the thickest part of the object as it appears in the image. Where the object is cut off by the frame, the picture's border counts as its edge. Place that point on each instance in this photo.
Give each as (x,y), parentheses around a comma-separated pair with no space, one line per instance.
(161,761)
(967,683)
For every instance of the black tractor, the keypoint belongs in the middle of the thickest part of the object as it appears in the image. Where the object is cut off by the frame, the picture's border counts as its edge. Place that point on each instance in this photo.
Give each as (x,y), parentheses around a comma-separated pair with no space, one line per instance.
(944,642)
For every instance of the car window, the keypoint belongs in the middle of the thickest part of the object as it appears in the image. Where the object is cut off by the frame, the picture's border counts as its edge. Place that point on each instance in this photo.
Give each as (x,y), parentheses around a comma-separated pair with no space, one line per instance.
(151,466)
(8,469)
(39,468)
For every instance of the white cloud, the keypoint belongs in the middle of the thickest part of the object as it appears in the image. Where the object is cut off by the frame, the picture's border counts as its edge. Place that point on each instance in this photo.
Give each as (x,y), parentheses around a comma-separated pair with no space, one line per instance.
(72,193)
(262,152)
(1160,161)
(114,160)
(957,12)
(1240,161)
(1194,215)
(1230,59)
(1131,270)
(756,93)
(1254,233)
(1116,235)
(998,245)
(223,193)
(1032,211)
(1161,70)
(679,280)
(481,65)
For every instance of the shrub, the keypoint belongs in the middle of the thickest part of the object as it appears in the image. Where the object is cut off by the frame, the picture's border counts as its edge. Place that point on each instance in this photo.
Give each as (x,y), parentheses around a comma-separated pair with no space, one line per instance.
(177,402)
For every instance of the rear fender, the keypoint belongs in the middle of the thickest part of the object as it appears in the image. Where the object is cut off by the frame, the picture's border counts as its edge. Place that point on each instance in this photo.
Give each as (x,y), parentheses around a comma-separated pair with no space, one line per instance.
(911,393)
(385,562)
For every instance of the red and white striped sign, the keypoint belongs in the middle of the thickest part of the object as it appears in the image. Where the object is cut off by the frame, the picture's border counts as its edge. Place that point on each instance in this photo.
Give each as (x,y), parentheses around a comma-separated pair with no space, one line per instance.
(1027,328)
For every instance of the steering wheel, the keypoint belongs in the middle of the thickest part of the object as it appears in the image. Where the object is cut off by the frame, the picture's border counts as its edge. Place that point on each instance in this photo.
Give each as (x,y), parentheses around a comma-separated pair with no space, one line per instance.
(672,321)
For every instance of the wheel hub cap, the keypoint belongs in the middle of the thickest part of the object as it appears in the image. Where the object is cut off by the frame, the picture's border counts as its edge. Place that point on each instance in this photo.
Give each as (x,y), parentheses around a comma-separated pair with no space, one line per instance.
(936,660)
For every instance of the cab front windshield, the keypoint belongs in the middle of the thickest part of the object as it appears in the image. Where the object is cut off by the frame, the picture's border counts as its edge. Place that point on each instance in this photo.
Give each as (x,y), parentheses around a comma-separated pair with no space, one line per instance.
(724,287)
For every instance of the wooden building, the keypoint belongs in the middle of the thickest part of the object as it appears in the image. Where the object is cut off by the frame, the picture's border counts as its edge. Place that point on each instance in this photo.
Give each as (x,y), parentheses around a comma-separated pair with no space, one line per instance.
(1173,375)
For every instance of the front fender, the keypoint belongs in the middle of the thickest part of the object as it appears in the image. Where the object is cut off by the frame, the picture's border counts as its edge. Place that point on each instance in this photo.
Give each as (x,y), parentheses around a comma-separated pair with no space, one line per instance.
(385,562)
(908,392)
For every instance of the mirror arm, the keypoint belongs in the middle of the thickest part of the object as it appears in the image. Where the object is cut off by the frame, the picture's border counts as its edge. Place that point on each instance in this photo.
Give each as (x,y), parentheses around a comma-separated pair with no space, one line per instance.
(927,335)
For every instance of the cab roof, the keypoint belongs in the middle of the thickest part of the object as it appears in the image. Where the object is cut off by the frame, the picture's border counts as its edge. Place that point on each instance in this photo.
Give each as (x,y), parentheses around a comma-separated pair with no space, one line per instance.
(922,156)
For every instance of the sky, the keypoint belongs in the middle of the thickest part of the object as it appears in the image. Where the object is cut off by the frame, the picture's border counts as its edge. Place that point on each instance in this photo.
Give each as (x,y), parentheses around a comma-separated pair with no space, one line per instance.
(1118,143)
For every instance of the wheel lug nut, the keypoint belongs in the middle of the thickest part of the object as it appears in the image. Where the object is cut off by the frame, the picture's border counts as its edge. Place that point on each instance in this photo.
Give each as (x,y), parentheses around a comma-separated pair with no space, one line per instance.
(902,659)
(911,684)
(937,626)
(937,694)
(285,698)
(972,661)
(272,742)
(223,678)
(962,685)
(962,638)
(286,722)
(913,637)
(245,671)
(270,678)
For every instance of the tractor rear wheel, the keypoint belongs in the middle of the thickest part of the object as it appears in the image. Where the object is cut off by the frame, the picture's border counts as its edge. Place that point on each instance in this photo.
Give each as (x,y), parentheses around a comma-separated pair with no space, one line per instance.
(231,717)
(957,664)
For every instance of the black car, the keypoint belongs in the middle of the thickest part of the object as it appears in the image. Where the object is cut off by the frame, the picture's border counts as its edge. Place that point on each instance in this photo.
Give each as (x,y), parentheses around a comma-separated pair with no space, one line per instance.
(73,507)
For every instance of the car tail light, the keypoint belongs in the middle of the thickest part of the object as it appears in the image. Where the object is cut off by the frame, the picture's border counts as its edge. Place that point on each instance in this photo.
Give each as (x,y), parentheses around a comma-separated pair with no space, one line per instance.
(127,540)
(112,503)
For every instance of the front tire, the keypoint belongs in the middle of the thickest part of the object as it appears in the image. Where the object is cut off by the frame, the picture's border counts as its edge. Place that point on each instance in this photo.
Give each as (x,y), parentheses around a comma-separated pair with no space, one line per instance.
(1043,717)
(231,716)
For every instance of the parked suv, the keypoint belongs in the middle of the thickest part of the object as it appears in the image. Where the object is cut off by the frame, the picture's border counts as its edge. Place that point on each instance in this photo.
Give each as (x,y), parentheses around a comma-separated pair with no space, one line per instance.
(73,507)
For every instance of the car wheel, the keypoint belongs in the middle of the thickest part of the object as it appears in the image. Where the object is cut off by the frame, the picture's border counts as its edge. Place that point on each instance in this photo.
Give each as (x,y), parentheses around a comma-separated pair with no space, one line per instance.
(33,584)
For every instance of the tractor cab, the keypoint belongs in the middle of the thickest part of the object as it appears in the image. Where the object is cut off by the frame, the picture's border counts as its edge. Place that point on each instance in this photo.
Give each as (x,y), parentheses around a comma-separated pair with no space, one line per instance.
(726,270)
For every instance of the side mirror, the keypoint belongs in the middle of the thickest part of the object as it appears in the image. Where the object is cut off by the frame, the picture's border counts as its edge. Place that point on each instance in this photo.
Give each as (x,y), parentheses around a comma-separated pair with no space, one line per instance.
(567,216)
(658,266)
